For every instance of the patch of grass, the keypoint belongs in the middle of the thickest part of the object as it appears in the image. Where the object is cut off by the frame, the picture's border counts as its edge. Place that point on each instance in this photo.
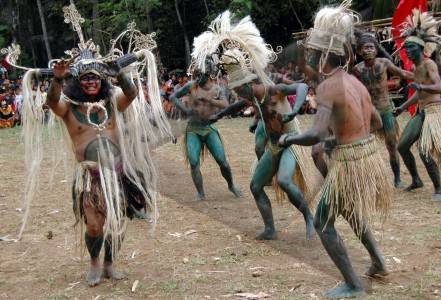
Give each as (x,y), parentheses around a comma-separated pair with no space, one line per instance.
(60,297)
(198,261)
(170,286)
(230,257)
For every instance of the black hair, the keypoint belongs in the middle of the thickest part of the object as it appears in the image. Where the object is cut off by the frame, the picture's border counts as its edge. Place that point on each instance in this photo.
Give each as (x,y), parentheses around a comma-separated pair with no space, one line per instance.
(365,39)
(74,90)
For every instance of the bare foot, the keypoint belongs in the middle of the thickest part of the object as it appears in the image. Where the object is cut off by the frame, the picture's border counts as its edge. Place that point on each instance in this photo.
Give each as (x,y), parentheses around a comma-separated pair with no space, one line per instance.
(109,272)
(416,183)
(376,271)
(344,291)
(200,197)
(399,185)
(267,234)
(436,196)
(236,191)
(94,275)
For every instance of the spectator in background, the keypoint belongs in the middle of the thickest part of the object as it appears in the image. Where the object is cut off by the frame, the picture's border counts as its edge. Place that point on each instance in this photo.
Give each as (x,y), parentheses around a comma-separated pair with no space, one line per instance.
(311,99)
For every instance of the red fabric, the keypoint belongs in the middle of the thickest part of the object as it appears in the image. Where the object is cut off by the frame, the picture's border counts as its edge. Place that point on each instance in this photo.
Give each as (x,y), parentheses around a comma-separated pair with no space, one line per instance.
(292,99)
(403,10)
(5,64)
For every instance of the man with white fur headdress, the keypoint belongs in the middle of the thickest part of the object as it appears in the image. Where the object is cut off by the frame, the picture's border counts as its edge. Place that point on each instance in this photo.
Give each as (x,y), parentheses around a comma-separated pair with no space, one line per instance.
(239,50)
(421,38)
(106,127)
(355,186)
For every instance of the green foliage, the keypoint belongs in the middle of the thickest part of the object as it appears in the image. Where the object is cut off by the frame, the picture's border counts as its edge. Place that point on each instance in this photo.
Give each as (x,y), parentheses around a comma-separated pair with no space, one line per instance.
(241,8)
(3,31)
(276,20)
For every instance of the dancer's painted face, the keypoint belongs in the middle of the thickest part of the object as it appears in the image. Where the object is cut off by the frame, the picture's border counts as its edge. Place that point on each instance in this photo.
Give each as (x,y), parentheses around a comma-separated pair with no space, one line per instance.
(413,50)
(91,84)
(202,79)
(368,51)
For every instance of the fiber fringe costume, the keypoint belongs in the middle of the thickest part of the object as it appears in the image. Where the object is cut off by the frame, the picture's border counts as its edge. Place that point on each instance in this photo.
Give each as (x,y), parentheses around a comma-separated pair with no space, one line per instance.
(422,28)
(430,138)
(355,182)
(117,182)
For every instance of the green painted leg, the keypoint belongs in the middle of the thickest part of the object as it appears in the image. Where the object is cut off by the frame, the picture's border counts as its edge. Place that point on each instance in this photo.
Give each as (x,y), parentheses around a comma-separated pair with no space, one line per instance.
(287,169)
(409,136)
(194,147)
(216,148)
(390,133)
(263,173)
(336,250)
(433,170)
(260,139)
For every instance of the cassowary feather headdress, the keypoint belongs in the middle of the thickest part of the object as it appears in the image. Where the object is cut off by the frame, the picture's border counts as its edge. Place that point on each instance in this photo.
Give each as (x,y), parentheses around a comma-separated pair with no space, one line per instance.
(238,49)
(421,28)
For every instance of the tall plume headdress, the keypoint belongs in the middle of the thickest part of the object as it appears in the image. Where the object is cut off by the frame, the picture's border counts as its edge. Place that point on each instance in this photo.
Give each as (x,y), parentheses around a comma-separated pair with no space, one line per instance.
(138,126)
(237,48)
(333,31)
(422,29)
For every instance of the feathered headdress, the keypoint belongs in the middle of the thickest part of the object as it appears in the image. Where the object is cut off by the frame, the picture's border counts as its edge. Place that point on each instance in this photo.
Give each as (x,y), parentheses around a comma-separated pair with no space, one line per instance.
(135,125)
(422,29)
(237,48)
(333,30)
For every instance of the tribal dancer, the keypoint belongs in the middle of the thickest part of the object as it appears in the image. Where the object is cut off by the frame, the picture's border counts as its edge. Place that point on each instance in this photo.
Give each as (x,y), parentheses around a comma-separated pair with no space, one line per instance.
(372,72)
(206,98)
(244,50)
(421,33)
(258,127)
(355,185)
(105,126)
(7,115)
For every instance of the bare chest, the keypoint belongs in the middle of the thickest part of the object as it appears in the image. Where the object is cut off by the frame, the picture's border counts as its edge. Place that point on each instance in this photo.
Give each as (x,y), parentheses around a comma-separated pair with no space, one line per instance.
(373,77)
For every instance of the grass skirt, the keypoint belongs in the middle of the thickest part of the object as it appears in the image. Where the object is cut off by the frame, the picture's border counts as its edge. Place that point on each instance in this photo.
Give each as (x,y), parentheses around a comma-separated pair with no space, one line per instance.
(430,138)
(356,184)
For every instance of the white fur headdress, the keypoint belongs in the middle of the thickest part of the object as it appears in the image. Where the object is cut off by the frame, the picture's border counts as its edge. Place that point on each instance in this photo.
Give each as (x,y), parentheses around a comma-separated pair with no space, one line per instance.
(421,28)
(234,46)
(333,29)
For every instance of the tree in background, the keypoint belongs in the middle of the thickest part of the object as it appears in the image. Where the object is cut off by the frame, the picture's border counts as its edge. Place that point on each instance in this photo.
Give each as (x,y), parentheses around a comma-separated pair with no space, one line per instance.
(176,22)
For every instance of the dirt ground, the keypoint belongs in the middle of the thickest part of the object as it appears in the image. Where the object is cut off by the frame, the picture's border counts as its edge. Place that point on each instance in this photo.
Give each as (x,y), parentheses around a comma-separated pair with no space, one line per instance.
(206,250)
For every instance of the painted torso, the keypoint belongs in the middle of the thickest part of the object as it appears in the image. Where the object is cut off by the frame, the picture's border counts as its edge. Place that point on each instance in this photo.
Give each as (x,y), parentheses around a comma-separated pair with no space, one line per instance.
(374,79)
(203,109)
(273,107)
(421,76)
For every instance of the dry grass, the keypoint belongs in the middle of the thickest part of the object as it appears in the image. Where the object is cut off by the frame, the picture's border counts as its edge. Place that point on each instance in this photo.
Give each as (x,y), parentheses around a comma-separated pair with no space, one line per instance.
(218,262)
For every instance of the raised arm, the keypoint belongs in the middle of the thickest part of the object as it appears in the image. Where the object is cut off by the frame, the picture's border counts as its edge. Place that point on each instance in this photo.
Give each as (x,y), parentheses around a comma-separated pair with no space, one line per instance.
(129,91)
(394,70)
(61,71)
(317,133)
(174,98)
(298,89)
